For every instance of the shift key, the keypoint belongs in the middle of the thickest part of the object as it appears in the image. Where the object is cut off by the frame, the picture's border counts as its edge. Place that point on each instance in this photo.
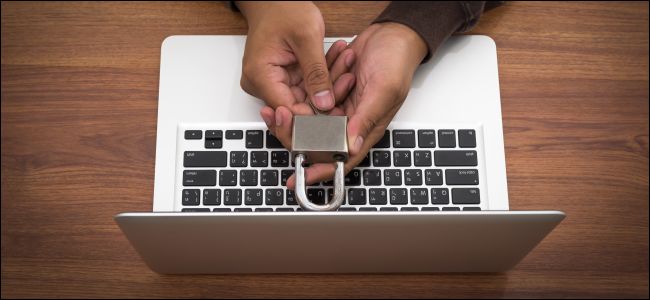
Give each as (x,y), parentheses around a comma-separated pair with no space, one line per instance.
(205,159)
(455,158)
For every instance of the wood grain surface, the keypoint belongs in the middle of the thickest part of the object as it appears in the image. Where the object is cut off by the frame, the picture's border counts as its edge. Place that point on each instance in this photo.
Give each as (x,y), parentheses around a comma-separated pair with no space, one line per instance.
(79,104)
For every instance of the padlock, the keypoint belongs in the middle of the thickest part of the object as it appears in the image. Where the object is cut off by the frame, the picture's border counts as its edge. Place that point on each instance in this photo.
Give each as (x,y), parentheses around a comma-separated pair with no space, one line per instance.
(320,139)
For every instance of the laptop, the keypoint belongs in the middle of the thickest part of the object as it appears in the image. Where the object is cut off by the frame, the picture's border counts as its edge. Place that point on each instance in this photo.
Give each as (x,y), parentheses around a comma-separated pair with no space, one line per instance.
(431,196)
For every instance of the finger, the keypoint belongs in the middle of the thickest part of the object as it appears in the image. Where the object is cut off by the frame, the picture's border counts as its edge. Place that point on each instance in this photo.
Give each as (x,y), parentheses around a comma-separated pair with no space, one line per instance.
(343,64)
(343,86)
(283,126)
(311,58)
(374,111)
(268,115)
(334,52)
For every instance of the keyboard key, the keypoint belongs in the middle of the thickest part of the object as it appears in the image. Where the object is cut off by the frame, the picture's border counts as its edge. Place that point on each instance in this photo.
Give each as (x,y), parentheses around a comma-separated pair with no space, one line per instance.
(447,138)
(243,209)
(284,176)
(377,196)
(356,196)
(274,196)
(347,209)
(239,159)
(205,159)
(199,178)
(471,208)
(427,138)
(191,196)
(193,134)
(254,138)
(291,199)
(402,158)
(398,196)
(211,197)
(227,177)
(450,208)
(213,134)
(284,209)
(196,209)
(384,142)
(413,177)
(253,197)
(232,197)
(316,196)
(259,159)
(221,209)
(439,196)
(404,138)
(248,177)
(388,209)
(455,158)
(213,144)
(430,208)
(409,209)
(433,176)
(279,159)
(264,209)
(269,177)
(234,134)
(465,196)
(466,138)
(392,177)
(371,177)
(461,176)
(367,209)
(330,195)
(422,158)
(272,142)
(381,158)
(366,161)
(353,178)
(419,196)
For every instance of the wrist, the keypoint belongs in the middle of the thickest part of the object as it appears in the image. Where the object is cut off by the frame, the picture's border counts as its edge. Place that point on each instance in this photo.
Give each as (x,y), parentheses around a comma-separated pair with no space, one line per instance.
(411,40)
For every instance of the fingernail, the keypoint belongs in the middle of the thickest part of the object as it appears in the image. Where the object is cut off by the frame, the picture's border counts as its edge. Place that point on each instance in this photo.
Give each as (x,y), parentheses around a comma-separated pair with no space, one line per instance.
(267,120)
(357,144)
(278,118)
(349,60)
(323,99)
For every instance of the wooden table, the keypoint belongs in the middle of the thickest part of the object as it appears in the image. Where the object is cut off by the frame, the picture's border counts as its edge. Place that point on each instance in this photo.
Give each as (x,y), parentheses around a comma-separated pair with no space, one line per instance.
(79,95)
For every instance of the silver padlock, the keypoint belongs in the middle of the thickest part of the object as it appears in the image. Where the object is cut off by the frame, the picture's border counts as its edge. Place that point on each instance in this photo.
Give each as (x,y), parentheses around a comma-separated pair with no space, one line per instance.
(320,139)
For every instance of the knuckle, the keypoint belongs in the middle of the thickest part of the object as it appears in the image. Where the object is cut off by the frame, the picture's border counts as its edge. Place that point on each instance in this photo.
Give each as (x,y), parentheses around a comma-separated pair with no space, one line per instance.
(316,74)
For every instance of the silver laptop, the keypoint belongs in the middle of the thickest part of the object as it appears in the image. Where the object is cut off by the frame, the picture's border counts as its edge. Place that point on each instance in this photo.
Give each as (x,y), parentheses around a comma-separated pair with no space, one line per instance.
(431,196)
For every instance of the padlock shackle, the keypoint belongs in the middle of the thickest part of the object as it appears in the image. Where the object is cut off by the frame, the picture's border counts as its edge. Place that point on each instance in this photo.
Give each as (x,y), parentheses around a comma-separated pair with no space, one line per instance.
(301,193)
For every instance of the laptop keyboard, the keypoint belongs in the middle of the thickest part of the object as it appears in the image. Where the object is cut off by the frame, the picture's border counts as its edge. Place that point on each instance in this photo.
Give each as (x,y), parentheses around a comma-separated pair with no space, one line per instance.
(241,167)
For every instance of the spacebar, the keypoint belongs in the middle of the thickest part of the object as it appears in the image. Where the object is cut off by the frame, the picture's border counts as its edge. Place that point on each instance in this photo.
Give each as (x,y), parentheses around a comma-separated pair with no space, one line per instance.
(455,158)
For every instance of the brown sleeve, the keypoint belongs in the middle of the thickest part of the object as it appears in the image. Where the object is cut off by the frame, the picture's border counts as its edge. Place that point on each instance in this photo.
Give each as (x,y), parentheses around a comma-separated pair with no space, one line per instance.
(434,21)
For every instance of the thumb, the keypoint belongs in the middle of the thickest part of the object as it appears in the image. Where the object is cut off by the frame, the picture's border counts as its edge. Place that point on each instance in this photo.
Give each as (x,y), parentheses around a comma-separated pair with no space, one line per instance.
(316,76)
(361,125)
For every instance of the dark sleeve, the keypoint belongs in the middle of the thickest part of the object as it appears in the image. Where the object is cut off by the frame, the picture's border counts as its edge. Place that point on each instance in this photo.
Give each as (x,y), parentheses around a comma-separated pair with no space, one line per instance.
(434,21)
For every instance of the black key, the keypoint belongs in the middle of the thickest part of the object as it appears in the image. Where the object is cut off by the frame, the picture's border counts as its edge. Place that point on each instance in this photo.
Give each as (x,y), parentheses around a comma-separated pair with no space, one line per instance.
(433,176)
(269,178)
(316,196)
(330,196)
(450,208)
(398,196)
(239,159)
(422,158)
(471,208)
(213,134)
(455,158)
(466,138)
(377,196)
(199,178)
(419,196)
(211,197)
(367,209)
(384,142)
(393,177)
(404,138)
(465,196)
(221,209)
(291,199)
(381,158)
(366,161)
(371,177)
(234,134)
(248,177)
(427,138)
(439,196)
(447,138)
(413,177)
(279,158)
(461,176)
(409,209)
(243,209)
(284,209)
(356,196)
(402,158)
(353,178)
(197,209)
(193,134)
(232,197)
(191,196)
(213,144)
(347,209)
(205,159)
(388,209)
(263,209)
(284,176)
(274,196)
(430,208)
(254,138)
(259,159)
(253,197)
(272,142)
(227,177)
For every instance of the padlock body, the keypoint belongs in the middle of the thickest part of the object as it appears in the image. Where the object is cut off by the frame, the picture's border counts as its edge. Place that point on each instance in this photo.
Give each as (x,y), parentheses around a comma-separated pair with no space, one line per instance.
(321,138)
